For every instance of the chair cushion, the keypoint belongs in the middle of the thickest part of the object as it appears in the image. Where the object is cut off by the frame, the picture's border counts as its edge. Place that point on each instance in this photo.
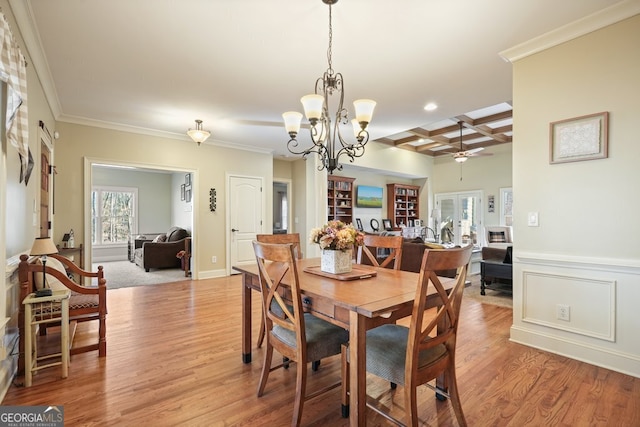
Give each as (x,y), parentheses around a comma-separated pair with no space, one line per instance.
(52,282)
(78,301)
(323,338)
(387,352)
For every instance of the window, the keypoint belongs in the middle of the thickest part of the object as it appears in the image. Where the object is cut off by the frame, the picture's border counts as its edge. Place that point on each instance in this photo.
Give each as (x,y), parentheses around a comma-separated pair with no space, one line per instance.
(113,214)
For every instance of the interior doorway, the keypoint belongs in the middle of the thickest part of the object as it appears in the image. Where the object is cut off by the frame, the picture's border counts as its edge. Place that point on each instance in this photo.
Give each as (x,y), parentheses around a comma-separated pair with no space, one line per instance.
(182,215)
(281,206)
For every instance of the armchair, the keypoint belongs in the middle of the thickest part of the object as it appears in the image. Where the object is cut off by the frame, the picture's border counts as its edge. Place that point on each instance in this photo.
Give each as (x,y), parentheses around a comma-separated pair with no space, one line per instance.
(162,251)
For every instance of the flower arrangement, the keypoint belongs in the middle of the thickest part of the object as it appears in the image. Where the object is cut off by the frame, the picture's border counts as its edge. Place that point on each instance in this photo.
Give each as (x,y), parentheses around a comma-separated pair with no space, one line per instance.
(337,235)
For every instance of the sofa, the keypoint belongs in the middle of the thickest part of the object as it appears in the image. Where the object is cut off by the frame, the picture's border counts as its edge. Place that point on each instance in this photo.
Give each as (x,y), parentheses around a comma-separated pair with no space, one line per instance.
(163,251)
(496,270)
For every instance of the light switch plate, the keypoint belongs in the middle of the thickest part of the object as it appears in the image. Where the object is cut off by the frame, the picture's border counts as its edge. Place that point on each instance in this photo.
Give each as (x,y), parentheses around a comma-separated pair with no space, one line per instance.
(532,220)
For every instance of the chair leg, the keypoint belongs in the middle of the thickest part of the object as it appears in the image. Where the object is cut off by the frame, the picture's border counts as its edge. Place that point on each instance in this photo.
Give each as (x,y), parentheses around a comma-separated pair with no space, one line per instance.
(261,332)
(410,404)
(345,382)
(301,387)
(455,397)
(266,367)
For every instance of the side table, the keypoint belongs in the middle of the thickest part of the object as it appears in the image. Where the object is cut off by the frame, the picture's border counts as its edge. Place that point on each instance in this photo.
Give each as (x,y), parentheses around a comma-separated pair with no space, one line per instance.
(39,310)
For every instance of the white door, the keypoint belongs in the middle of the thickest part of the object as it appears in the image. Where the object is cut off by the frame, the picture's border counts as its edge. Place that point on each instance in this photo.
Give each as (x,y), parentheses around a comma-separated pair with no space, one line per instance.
(460,217)
(245,216)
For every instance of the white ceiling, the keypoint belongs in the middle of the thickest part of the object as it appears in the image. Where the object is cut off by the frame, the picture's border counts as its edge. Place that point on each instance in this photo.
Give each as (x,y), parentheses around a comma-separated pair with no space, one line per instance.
(154,66)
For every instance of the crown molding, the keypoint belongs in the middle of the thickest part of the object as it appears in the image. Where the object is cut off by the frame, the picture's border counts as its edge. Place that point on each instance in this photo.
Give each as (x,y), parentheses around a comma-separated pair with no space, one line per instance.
(605,17)
(157,133)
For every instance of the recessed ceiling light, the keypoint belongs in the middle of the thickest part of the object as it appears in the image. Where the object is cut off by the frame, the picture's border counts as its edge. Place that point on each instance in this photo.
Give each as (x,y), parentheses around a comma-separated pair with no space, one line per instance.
(431,106)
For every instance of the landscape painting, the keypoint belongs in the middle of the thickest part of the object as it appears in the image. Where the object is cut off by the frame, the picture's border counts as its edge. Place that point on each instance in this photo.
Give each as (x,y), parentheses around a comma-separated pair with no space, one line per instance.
(369,197)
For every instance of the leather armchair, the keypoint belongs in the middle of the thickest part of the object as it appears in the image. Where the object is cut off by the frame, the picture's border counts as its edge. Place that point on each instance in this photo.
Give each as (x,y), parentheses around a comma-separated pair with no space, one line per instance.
(163,254)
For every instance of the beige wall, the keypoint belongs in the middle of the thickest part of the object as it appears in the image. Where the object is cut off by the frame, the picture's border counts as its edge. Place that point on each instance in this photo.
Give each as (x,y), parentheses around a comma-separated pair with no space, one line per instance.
(484,173)
(209,164)
(584,253)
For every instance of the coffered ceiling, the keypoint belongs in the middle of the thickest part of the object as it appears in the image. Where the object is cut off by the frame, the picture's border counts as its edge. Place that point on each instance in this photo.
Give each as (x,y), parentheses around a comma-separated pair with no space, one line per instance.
(155,66)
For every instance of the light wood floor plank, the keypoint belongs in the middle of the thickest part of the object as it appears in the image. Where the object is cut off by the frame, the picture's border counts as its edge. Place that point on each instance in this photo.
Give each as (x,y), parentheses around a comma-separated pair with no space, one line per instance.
(174,358)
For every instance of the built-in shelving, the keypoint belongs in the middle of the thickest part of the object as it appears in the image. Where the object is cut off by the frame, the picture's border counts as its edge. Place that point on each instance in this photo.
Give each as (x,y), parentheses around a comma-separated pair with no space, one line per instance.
(340,198)
(403,204)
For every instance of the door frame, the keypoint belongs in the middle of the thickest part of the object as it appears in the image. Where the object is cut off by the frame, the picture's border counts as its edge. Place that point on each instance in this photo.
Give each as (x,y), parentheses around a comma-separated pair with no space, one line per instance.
(45,141)
(288,183)
(88,185)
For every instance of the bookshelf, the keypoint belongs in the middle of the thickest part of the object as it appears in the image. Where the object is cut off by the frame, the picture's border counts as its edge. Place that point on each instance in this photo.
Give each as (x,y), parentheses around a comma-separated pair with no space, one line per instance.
(340,198)
(403,204)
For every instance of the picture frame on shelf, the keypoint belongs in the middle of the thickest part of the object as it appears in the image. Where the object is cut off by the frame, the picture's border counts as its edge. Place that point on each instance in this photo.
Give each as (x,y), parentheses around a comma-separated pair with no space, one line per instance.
(386,224)
(359,224)
(579,138)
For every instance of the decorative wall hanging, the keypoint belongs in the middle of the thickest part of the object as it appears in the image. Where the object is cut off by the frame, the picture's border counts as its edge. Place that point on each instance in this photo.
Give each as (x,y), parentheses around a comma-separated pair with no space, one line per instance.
(212,200)
(491,203)
(580,138)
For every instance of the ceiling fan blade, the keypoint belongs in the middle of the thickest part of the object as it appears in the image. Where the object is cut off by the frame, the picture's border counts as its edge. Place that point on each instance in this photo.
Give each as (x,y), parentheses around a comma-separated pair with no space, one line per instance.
(474,150)
(479,154)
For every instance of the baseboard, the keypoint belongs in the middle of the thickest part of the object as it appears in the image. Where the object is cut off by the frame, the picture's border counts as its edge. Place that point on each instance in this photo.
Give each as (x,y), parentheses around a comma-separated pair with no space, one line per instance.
(628,364)
(212,274)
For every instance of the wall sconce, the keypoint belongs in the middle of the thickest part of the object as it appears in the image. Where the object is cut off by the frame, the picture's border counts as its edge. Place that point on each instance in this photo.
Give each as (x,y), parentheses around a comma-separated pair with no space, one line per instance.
(212,200)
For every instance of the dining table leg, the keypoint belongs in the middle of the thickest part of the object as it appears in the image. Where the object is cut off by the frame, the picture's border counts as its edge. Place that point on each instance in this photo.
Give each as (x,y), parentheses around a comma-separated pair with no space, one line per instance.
(246,319)
(357,369)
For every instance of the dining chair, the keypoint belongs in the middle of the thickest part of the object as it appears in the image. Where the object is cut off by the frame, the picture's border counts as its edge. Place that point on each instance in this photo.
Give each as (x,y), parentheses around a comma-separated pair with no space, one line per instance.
(298,336)
(415,355)
(371,246)
(278,238)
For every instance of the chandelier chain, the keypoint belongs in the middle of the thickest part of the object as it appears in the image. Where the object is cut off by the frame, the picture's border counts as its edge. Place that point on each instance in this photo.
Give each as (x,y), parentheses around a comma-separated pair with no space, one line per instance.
(329,53)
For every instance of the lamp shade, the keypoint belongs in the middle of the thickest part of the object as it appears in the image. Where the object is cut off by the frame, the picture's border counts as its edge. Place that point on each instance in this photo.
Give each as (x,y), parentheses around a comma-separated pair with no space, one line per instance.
(312,106)
(43,246)
(292,121)
(364,109)
(198,134)
(461,159)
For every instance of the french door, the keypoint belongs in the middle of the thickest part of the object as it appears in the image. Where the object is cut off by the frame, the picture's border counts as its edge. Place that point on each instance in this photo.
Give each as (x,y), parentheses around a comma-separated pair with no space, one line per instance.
(460,217)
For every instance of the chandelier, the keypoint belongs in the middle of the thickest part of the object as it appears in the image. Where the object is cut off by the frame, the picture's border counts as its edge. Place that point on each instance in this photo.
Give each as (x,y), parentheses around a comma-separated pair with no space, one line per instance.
(328,141)
(198,134)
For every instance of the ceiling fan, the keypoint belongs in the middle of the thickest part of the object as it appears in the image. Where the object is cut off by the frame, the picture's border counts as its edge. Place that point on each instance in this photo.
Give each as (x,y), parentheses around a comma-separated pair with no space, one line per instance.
(462,155)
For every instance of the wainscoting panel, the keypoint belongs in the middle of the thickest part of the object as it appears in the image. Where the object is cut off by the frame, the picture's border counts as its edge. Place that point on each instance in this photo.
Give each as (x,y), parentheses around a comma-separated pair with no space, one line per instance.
(591,302)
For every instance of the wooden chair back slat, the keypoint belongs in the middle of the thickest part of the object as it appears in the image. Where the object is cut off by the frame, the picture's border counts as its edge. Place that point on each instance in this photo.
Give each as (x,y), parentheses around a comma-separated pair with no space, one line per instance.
(374,242)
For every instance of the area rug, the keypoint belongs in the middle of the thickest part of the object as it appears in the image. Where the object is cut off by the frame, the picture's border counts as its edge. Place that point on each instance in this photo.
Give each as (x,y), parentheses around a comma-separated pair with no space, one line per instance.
(503,299)
(125,274)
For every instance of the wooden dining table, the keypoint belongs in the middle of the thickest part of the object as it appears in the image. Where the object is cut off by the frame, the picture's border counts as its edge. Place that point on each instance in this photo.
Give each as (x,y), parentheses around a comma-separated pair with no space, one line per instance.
(377,296)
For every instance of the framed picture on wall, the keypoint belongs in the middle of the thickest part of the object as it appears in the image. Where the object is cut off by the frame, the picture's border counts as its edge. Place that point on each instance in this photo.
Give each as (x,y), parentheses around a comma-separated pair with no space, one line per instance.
(579,138)
(187,195)
(187,180)
(182,191)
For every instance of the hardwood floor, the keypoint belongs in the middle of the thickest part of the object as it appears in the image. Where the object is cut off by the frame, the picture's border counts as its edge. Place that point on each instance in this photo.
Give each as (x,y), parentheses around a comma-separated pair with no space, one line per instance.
(174,358)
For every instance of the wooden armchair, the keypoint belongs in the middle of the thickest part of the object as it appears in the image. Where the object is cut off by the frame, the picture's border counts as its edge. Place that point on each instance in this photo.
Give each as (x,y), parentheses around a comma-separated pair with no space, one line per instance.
(86,302)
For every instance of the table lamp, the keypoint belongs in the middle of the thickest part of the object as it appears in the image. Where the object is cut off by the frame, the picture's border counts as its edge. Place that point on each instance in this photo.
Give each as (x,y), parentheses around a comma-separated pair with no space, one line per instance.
(43,246)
